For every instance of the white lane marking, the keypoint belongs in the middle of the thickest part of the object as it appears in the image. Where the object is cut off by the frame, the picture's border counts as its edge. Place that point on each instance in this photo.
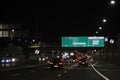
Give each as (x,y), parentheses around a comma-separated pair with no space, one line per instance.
(32,71)
(59,75)
(15,74)
(95,64)
(75,65)
(99,73)
(65,71)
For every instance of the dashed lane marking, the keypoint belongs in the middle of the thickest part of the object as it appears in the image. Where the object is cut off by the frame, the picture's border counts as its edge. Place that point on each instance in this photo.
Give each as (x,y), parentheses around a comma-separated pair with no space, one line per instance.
(16,74)
(59,75)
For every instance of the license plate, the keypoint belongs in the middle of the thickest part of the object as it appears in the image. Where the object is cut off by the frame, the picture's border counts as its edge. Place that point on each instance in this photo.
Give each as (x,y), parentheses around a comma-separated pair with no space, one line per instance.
(55,65)
(83,63)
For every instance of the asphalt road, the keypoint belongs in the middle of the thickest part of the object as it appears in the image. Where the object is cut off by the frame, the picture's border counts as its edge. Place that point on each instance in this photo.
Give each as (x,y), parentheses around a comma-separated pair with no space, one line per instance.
(112,71)
(42,72)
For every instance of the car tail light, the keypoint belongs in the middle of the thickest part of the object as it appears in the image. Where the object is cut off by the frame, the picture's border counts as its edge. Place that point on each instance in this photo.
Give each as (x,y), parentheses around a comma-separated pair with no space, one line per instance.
(76,60)
(79,61)
(51,63)
(60,63)
(86,61)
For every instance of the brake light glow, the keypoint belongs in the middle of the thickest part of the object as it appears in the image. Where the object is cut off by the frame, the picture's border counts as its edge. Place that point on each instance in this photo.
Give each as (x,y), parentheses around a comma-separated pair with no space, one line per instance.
(51,63)
(60,63)
(80,61)
(86,61)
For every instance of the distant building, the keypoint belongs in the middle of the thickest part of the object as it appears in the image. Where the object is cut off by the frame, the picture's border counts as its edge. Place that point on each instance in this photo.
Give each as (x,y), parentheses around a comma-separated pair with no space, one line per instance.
(12,33)
(12,30)
(18,34)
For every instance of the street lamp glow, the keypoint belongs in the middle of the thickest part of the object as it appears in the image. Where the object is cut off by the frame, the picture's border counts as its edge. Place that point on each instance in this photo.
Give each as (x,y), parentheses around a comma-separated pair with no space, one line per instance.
(100,28)
(39,42)
(104,20)
(13,30)
(96,32)
(19,39)
(33,40)
(25,40)
(112,2)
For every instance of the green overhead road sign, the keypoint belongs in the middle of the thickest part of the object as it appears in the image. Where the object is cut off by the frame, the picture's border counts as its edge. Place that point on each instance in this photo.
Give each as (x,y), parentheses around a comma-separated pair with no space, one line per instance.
(83,41)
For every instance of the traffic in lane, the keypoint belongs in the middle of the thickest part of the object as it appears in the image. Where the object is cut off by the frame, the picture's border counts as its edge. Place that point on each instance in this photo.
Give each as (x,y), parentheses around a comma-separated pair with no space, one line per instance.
(70,72)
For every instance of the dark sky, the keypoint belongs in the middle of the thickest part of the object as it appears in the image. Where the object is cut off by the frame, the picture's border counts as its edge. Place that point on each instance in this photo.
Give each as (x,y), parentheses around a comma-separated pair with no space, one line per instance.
(54,19)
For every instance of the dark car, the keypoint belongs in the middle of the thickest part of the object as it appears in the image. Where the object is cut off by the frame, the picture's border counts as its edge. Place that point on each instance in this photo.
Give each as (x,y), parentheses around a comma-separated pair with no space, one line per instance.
(56,63)
(83,61)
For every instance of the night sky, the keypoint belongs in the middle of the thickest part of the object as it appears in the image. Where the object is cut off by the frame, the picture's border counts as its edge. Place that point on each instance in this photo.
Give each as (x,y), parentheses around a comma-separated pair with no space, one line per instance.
(53,19)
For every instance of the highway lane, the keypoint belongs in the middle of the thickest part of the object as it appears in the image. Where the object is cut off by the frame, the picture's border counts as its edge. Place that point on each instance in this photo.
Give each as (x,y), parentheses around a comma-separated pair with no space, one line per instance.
(81,73)
(42,72)
(112,71)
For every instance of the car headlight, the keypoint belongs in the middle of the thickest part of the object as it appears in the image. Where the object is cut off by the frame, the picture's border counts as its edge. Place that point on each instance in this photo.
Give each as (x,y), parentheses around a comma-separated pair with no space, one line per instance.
(2,61)
(13,59)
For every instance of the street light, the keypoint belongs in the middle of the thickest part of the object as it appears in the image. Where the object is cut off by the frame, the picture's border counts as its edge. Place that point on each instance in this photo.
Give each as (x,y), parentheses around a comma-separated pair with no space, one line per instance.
(39,42)
(33,40)
(96,32)
(100,28)
(112,2)
(19,39)
(13,30)
(104,20)
(26,41)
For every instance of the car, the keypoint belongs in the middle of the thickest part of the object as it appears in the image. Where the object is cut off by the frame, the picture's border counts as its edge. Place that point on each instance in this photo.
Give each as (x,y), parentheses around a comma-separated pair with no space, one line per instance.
(83,61)
(56,63)
(8,60)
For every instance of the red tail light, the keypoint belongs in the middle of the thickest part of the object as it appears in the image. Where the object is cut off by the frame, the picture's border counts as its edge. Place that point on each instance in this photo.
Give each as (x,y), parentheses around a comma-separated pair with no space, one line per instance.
(86,61)
(51,63)
(79,61)
(60,63)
